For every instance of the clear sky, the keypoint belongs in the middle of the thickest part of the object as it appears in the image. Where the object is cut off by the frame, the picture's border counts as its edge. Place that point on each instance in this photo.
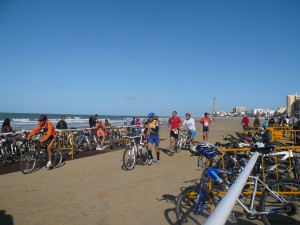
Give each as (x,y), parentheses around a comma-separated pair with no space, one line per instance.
(125,57)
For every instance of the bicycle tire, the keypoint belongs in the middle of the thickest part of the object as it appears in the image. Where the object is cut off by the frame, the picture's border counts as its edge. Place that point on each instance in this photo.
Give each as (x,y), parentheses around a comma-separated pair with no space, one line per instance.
(28,162)
(129,159)
(56,158)
(268,202)
(186,204)
(143,155)
(178,145)
(2,155)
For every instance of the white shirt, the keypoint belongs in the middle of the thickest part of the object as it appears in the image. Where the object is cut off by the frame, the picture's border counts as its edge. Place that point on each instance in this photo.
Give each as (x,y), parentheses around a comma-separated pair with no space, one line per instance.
(190,123)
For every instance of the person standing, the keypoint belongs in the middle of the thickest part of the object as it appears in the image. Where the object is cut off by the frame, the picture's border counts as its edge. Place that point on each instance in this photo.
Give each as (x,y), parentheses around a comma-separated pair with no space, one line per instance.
(93,121)
(205,122)
(190,123)
(174,123)
(6,128)
(245,122)
(100,132)
(62,124)
(256,122)
(153,138)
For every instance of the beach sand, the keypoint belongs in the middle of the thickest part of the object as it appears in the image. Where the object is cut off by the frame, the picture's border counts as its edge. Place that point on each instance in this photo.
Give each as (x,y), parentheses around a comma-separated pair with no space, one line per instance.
(97,191)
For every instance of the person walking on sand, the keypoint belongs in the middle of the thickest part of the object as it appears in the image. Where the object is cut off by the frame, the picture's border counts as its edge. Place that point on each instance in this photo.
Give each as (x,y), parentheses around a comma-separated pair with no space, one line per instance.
(174,123)
(190,123)
(205,122)
(153,138)
(245,122)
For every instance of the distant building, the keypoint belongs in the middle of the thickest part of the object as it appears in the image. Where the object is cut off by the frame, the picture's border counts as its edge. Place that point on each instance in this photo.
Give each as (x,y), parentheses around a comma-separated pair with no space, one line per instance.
(280,111)
(292,104)
(240,110)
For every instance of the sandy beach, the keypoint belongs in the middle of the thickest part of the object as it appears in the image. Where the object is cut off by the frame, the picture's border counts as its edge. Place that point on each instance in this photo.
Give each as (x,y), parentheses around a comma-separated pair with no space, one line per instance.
(97,191)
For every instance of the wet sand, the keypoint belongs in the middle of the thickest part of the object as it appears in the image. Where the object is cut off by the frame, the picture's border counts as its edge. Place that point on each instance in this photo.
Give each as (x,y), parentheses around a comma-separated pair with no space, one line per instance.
(97,191)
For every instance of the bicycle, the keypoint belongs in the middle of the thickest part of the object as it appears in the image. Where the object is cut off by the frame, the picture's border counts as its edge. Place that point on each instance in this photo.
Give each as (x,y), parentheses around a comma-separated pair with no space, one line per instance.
(28,161)
(135,153)
(279,201)
(184,141)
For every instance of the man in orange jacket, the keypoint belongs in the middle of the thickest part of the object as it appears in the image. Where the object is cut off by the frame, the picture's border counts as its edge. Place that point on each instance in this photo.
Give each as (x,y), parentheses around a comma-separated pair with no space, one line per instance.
(49,138)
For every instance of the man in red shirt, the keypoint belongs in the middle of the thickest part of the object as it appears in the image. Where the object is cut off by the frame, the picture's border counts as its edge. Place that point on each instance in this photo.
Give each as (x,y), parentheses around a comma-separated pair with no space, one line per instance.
(245,122)
(175,122)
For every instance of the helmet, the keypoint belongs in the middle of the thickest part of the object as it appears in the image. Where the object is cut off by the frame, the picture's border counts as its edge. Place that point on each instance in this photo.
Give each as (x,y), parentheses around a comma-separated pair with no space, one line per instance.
(42,117)
(188,114)
(152,114)
(206,114)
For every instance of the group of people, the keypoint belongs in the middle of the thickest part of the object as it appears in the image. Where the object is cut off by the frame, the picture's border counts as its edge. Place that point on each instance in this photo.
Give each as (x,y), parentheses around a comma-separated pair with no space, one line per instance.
(176,124)
(281,121)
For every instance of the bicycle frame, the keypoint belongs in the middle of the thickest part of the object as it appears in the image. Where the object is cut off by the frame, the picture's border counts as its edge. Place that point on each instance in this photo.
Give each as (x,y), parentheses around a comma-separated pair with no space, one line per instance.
(213,174)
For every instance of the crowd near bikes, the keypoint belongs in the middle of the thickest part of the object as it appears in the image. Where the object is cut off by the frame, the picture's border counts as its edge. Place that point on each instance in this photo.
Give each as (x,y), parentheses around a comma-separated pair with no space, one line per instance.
(45,146)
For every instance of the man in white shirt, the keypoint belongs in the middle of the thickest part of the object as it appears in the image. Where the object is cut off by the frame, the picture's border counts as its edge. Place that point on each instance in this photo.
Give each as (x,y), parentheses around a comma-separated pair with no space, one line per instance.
(190,123)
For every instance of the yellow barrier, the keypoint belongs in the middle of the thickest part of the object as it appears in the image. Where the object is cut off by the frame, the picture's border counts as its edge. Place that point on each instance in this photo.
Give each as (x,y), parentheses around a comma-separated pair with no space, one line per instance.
(66,141)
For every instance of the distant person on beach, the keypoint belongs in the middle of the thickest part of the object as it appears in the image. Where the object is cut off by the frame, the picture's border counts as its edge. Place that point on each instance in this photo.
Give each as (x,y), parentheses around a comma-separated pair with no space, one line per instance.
(93,121)
(107,125)
(62,124)
(132,123)
(125,121)
(138,122)
(153,138)
(266,123)
(6,128)
(271,122)
(256,122)
(205,123)
(245,122)
(190,123)
(174,123)
(100,132)
(49,137)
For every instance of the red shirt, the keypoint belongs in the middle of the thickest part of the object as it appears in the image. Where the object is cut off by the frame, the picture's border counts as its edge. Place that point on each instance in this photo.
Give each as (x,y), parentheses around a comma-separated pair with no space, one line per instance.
(245,121)
(174,122)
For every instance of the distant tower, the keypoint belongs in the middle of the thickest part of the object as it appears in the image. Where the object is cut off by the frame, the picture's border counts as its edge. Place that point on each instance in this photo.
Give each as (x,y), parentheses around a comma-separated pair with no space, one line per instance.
(214,107)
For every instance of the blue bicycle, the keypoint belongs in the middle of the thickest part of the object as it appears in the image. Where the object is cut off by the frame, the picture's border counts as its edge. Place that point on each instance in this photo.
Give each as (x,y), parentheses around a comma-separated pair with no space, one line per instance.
(277,204)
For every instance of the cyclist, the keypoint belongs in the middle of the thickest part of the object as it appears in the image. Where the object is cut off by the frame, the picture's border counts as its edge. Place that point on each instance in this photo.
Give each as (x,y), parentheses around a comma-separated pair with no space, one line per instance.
(153,127)
(48,139)
(175,123)
(190,123)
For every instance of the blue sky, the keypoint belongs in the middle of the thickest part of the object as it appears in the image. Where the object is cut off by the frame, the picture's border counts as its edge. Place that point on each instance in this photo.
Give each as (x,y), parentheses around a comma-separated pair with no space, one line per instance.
(132,57)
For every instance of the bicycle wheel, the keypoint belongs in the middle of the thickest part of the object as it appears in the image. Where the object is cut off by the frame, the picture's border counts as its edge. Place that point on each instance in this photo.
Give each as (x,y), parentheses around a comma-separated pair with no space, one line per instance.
(28,162)
(129,159)
(56,158)
(178,145)
(143,155)
(280,212)
(194,206)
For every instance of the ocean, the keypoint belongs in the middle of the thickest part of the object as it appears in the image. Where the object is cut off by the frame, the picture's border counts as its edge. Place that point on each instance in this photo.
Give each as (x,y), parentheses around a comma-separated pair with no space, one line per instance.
(27,121)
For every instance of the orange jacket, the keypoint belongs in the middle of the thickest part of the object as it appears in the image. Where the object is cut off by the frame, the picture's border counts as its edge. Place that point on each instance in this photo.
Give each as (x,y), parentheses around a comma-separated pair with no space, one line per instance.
(48,127)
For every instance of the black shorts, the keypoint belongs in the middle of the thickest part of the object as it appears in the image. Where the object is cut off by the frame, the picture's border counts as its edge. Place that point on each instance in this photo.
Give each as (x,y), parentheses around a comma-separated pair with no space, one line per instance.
(205,129)
(172,134)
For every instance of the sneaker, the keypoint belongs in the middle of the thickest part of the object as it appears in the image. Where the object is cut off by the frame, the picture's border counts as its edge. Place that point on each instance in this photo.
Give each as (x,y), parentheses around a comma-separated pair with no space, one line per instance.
(150,161)
(157,162)
(49,164)
(99,148)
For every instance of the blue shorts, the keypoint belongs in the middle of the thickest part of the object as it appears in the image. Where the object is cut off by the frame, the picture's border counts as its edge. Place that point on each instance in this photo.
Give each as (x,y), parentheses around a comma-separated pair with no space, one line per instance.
(192,133)
(153,138)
